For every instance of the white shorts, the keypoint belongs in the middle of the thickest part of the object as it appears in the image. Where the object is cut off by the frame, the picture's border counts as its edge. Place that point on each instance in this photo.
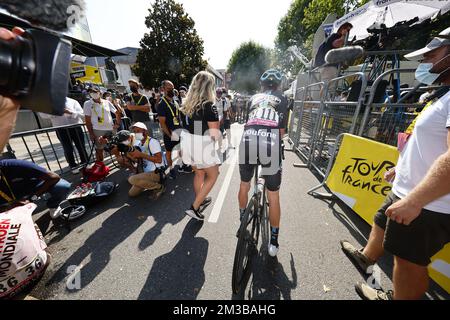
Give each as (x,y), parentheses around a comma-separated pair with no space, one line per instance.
(198,151)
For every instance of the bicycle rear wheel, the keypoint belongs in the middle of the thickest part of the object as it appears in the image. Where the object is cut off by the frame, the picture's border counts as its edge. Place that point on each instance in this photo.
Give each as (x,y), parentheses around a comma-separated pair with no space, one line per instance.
(246,247)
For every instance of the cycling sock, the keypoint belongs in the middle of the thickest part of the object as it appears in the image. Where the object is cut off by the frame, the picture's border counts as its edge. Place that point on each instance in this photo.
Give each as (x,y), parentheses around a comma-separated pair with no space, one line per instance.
(274,238)
(242,211)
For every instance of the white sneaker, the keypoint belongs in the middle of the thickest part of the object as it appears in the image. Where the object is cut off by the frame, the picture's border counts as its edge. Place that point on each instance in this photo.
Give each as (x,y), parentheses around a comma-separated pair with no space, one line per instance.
(273,251)
(75,171)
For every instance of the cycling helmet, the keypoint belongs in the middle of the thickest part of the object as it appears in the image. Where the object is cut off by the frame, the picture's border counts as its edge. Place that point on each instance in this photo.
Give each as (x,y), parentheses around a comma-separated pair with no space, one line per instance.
(68,211)
(271,78)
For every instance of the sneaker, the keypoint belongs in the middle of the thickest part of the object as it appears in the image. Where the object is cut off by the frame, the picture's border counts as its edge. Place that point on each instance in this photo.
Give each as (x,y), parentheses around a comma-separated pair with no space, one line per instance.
(195,214)
(75,171)
(363,262)
(185,169)
(205,204)
(158,193)
(172,174)
(273,250)
(368,293)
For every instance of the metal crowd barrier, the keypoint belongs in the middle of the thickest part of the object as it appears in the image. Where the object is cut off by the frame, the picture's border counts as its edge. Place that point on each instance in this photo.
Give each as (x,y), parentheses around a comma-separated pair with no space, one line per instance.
(315,126)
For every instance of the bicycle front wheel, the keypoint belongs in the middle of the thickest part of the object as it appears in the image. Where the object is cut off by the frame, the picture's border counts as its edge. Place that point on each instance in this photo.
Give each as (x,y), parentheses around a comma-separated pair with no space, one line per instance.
(246,246)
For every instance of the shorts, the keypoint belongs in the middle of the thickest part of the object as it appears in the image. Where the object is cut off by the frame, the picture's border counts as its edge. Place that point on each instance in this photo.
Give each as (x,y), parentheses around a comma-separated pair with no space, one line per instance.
(169,144)
(198,151)
(98,134)
(418,242)
(261,147)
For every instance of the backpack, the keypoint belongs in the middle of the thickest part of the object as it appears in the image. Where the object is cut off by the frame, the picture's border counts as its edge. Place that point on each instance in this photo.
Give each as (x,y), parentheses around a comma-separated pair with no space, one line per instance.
(23,253)
(95,173)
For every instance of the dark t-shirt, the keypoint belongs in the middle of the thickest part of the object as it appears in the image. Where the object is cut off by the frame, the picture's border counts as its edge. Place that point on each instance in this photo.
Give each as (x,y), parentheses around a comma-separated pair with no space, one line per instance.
(323,50)
(23,178)
(136,115)
(198,123)
(170,111)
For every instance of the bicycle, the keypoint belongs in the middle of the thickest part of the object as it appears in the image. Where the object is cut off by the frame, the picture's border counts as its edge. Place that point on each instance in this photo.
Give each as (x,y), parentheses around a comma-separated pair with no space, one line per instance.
(254,222)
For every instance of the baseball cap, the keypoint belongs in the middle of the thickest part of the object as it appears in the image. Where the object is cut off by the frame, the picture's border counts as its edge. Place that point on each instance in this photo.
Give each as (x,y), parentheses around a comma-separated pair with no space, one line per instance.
(443,39)
(139,125)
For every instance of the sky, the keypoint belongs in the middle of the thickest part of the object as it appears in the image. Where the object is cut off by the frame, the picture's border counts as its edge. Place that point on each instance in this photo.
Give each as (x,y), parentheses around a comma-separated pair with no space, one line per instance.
(223,25)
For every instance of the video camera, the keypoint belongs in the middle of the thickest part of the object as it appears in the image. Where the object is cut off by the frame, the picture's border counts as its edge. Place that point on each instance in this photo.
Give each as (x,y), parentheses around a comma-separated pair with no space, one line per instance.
(383,38)
(115,141)
(35,67)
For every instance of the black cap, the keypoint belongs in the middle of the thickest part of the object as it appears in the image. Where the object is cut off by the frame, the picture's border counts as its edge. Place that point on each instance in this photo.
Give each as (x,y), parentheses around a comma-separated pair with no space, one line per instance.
(123,135)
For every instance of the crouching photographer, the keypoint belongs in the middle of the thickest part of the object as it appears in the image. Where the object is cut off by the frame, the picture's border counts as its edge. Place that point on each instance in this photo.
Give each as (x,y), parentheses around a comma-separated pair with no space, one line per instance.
(139,151)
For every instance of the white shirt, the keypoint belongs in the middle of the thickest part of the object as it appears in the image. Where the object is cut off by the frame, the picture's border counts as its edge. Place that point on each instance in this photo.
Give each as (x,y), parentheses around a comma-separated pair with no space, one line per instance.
(77,116)
(100,111)
(427,143)
(150,147)
(221,107)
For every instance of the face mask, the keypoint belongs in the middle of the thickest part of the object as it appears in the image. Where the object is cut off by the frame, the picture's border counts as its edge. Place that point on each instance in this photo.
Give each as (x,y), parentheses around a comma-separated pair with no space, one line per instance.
(134,89)
(95,96)
(139,136)
(424,75)
(170,94)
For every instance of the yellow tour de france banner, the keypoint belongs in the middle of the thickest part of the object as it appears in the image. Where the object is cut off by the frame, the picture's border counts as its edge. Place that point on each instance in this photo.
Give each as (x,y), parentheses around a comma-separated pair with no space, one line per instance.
(86,73)
(357,179)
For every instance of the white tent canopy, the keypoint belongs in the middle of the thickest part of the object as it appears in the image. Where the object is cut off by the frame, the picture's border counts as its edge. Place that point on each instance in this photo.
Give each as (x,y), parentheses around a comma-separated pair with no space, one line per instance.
(390,12)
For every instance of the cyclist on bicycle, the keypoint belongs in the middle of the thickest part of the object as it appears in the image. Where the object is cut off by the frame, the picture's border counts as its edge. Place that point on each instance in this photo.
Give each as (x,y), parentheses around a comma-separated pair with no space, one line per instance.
(262,145)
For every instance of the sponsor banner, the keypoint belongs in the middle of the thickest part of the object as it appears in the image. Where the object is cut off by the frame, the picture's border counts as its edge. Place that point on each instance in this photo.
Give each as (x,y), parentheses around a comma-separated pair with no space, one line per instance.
(357,178)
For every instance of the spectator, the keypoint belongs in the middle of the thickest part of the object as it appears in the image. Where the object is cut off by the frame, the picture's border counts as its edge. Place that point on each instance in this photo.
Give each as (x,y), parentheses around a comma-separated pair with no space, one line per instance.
(198,142)
(414,222)
(99,121)
(220,105)
(21,180)
(151,161)
(227,116)
(183,91)
(138,104)
(169,120)
(73,115)
(334,41)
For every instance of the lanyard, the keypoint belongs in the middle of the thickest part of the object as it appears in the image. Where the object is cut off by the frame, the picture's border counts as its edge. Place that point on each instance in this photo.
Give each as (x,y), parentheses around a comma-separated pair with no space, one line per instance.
(174,117)
(413,124)
(168,104)
(102,119)
(132,97)
(4,195)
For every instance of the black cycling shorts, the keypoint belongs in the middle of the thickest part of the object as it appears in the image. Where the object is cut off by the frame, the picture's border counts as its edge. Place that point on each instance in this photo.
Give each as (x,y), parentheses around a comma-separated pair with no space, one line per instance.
(261,147)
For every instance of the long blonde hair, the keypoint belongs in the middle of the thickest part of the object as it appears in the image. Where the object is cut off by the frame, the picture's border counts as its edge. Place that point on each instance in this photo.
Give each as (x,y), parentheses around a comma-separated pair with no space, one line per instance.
(200,92)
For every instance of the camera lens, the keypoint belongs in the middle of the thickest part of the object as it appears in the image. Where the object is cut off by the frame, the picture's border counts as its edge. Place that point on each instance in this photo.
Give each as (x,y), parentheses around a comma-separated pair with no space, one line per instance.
(17,67)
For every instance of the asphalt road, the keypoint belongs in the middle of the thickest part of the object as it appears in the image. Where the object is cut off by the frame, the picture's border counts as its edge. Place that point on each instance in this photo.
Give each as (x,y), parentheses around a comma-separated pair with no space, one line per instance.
(142,249)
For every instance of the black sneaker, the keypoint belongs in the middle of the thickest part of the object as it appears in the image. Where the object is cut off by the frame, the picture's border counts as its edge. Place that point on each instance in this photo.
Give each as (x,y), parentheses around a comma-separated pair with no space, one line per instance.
(195,214)
(172,174)
(205,204)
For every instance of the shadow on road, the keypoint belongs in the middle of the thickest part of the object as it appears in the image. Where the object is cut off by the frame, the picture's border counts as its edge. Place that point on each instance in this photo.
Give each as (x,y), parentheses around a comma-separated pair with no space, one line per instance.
(179,274)
(131,215)
(270,281)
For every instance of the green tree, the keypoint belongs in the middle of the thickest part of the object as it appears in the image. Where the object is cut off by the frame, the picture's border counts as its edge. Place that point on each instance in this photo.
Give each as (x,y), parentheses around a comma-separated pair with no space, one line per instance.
(171,49)
(291,31)
(247,64)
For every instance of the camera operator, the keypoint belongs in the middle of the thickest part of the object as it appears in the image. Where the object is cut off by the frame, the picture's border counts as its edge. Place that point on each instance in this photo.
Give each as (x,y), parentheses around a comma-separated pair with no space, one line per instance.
(139,148)
(99,120)
(8,106)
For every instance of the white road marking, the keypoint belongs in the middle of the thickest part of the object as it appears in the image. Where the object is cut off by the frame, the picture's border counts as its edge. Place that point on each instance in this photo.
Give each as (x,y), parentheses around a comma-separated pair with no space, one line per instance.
(215,214)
